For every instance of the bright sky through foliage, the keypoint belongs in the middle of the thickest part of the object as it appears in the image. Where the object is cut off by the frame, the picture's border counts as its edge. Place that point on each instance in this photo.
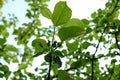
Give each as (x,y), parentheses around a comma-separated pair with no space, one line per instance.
(80,9)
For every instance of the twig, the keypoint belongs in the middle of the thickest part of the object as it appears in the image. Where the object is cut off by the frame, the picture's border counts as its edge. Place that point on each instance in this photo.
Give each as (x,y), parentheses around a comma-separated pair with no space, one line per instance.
(100,40)
(50,63)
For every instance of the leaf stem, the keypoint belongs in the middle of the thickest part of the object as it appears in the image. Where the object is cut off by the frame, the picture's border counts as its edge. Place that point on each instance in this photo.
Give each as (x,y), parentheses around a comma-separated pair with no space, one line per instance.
(51,51)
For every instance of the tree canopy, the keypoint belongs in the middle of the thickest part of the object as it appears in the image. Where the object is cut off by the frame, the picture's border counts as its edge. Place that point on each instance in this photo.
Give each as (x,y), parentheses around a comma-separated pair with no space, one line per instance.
(72,48)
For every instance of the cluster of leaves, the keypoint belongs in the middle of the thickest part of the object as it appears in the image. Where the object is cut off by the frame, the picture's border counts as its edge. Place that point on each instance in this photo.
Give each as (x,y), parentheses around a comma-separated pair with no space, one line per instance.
(69,58)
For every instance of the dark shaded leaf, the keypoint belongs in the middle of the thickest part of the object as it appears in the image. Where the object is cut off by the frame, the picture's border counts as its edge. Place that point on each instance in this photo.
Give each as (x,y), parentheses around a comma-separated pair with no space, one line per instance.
(1,75)
(40,46)
(58,53)
(57,61)
(113,61)
(4,68)
(47,57)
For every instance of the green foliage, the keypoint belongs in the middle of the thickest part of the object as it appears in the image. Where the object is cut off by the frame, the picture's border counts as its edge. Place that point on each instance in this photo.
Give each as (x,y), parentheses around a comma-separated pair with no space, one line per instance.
(72,48)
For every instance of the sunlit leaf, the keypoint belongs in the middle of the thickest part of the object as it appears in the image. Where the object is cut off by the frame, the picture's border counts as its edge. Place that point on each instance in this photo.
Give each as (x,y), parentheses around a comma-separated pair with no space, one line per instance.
(15,59)
(46,12)
(72,46)
(55,69)
(23,66)
(5,33)
(61,14)
(2,41)
(11,48)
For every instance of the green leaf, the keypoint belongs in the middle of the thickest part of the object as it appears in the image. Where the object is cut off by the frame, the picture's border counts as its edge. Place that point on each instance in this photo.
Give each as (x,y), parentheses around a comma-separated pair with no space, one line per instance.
(1,75)
(1,3)
(58,53)
(55,69)
(2,41)
(29,14)
(113,61)
(72,46)
(4,68)
(61,14)
(23,66)
(46,12)
(7,74)
(40,46)
(47,57)
(57,61)
(73,28)
(5,33)
(11,48)
(15,59)
(86,44)
(76,64)
(63,75)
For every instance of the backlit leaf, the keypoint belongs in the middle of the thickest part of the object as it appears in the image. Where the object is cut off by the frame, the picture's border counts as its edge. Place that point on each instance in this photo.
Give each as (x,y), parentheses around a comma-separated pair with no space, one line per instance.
(55,69)
(23,66)
(72,46)
(73,28)
(61,14)
(46,12)
(11,48)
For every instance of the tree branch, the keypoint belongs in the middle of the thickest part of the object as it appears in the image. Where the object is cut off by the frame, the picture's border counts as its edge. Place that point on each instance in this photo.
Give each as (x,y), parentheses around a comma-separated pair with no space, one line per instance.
(93,58)
(50,64)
